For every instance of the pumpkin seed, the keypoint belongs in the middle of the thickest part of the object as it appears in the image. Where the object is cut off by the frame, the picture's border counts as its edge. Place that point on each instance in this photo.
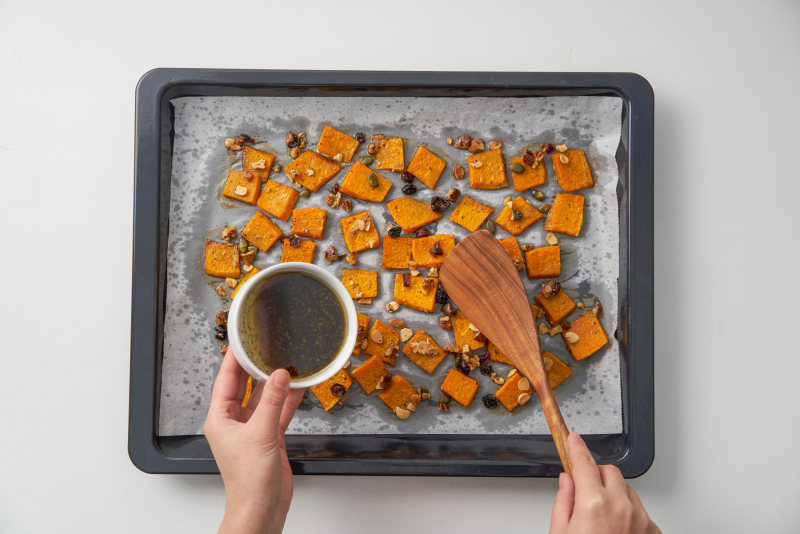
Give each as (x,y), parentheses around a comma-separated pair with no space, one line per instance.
(538,195)
(372,179)
(516,215)
(517,168)
(544,208)
(243,245)
(367,160)
(305,193)
(491,226)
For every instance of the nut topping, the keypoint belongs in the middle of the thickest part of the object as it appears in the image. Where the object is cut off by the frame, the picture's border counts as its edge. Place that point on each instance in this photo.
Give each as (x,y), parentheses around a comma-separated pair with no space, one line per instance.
(476,145)
(571,337)
(523,398)
(393,306)
(551,238)
(231,282)
(462,141)
(564,159)
(402,413)
(494,145)
(405,334)
(561,148)
(228,233)
(394,322)
(551,288)
(523,384)
(458,172)
(376,337)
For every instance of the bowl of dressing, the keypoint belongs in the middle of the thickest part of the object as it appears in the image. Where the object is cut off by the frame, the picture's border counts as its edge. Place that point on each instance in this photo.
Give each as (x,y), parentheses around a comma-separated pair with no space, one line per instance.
(295,316)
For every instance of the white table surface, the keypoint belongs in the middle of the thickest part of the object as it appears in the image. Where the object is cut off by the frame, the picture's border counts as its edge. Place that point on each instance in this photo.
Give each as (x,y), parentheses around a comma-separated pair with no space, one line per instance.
(726,76)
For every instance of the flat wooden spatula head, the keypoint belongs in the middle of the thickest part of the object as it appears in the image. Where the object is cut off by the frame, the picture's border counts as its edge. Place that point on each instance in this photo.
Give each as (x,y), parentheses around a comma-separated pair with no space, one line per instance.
(481,280)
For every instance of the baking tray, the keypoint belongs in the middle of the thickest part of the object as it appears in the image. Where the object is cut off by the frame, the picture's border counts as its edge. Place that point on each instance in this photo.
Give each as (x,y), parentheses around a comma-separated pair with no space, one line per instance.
(442,455)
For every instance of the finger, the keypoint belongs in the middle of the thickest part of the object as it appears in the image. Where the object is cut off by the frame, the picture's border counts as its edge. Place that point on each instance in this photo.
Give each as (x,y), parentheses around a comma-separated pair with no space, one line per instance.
(268,411)
(293,400)
(634,497)
(612,478)
(230,384)
(255,396)
(584,469)
(564,503)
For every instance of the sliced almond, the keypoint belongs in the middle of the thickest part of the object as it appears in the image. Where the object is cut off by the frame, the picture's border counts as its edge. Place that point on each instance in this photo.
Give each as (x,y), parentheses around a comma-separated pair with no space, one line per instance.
(405,334)
(523,384)
(571,337)
(561,148)
(240,190)
(476,164)
(512,372)
(564,159)
(548,363)
(465,349)
(523,398)
(376,337)
(402,413)
(543,327)
(551,238)
(231,282)
(473,327)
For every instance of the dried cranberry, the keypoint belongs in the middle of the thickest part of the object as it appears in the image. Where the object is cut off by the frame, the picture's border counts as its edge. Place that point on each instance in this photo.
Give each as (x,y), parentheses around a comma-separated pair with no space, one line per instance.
(441,296)
(463,367)
(220,332)
(486,368)
(337,390)
(406,279)
(294,242)
(394,231)
(334,188)
(407,177)
(409,189)
(439,204)
(385,381)
(360,137)
(422,232)
(529,158)
(489,401)
(436,249)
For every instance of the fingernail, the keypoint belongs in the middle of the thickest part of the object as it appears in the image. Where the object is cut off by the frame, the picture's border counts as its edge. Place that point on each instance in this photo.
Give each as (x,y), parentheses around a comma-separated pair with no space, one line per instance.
(280,378)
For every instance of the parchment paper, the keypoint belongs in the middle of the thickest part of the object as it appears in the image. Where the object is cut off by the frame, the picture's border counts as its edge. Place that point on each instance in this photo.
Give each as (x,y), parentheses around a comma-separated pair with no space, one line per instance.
(590,399)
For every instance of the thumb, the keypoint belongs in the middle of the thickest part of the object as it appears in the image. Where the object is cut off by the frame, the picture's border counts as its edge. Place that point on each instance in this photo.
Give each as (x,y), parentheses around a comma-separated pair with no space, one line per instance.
(267,414)
(562,507)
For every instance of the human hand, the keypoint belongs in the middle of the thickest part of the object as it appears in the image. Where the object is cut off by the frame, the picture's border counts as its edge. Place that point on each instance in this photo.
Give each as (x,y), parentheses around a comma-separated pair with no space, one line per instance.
(596,498)
(249,447)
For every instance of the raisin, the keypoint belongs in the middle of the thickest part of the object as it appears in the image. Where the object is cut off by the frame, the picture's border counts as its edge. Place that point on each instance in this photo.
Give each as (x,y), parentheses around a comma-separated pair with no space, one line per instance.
(407,177)
(385,381)
(422,232)
(548,147)
(436,249)
(360,137)
(486,368)
(439,204)
(334,188)
(406,279)
(409,189)
(529,158)
(441,296)
(244,138)
(489,401)
(394,231)
(293,143)
(337,390)
(220,332)
(294,242)
(463,366)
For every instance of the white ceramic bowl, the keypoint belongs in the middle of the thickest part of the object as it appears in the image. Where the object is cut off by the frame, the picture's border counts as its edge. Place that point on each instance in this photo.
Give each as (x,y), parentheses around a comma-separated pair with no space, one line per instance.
(234,320)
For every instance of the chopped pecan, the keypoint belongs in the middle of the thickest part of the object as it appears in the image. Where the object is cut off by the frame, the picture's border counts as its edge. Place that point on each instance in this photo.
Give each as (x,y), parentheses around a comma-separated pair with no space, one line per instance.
(406,279)
(551,288)
(462,141)
(453,194)
(476,145)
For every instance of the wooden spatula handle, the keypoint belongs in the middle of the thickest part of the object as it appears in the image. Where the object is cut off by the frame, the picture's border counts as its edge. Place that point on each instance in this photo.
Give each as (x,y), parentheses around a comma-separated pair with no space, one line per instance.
(556,422)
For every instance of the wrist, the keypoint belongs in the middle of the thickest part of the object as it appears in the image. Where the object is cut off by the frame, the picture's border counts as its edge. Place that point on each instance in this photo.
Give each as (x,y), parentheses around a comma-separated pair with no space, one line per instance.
(250,519)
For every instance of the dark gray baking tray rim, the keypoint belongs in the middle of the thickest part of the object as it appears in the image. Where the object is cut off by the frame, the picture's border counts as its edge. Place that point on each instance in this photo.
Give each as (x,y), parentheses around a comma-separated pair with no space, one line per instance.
(442,455)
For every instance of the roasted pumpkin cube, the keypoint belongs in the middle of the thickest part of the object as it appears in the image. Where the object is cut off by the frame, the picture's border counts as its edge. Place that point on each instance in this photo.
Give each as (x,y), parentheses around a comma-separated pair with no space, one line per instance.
(242,281)
(411,214)
(590,336)
(556,307)
(257,161)
(311,170)
(470,214)
(460,387)
(240,188)
(463,333)
(529,215)
(530,177)
(389,343)
(566,215)
(497,355)
(356,184)
(396,252)
(333,142)
(509,393)
(324,391)
(487,170)
(575,174)
(426,166)
(399,394)
(423,350)
(309,222)
(514,252)
(363,325)
(544,262)
(422,248)
(557,371)
(222,260)
(390,155)
(278,200)
(360,283)
(416,296)
(261,232)
(359,232)
(370,373)
(303,252)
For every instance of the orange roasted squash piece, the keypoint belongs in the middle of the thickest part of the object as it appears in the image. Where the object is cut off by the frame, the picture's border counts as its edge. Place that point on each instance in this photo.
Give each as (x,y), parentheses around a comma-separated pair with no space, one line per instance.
(544,262)
(363,324)
(238,187)
(411,214)
(515,388)
(311,170)
(359,232)
(566,215)
(324,392)
(426,166)
(257,161)
(590,336)
(464,334)
(423,249)
(222,260)
(487,170)
(357,184)
(390,155)
(470,214)
(261,232)
(575,174)
(420,294)
(399,393)
(528,216)
(278,200)
(529,177)
(557,371)
(360,283)
(384,344)
(423,350)
(460,387)
(514,252)
(304,251)
(396,252)
(337,145)
(556,307)
(309,222)
(370,374)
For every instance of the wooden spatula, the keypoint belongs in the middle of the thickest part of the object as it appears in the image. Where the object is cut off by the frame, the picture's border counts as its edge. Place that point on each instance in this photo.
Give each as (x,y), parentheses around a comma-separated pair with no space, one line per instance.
(481,280)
